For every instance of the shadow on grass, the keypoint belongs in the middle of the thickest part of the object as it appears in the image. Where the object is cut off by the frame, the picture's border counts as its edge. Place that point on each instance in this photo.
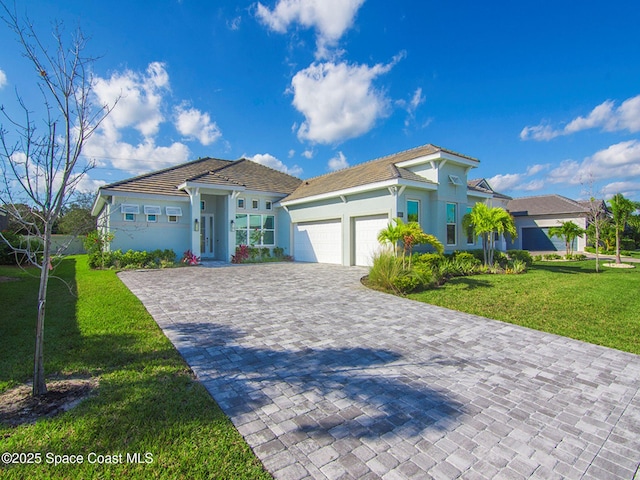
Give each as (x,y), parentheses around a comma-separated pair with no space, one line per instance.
(470,283)
(567,267)
(307,385)
(18,322)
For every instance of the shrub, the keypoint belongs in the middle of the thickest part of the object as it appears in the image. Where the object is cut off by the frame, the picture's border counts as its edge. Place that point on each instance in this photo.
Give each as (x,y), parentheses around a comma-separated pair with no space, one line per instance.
(190,258)
(552,256)
(385,269)
(517,266)
(278,252)
(627,244)
(7,254)
(242,254)
(522,255)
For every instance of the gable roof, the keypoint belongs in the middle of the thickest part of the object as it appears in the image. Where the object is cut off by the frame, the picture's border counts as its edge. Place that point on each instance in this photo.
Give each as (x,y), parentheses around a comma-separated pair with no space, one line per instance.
(378,170)
(210,171)
(482,185)
(545,205)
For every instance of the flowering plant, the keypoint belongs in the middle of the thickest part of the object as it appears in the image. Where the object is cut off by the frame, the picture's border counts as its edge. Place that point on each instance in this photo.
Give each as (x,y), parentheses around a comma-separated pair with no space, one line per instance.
(190,258)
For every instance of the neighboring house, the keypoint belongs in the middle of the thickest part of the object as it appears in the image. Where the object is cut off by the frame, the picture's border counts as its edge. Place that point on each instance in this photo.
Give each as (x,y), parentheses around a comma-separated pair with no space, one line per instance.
(534,216)
(4,219)
(210,206)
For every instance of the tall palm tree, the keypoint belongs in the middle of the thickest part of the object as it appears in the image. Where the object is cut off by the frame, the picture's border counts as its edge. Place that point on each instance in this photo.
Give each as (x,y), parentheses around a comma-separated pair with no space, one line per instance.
(569,231)
(487,221)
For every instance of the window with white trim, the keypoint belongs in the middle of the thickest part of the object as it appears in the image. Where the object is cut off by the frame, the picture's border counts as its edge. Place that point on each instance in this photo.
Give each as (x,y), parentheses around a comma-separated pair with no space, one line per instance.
(256,230)
(471,238)
(173,213)
(241,202)
(452,220)
(255,204)
(268,205)
(129,211)
(152,212)
(455,179)
(413,211)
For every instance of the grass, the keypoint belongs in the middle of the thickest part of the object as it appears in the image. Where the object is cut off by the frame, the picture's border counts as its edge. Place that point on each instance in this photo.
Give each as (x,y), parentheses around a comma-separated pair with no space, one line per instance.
(565,298)
(147,400)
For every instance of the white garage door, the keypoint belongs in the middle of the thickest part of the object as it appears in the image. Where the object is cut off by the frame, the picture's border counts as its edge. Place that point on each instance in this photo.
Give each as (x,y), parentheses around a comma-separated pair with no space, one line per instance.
(319,242)
(366,237)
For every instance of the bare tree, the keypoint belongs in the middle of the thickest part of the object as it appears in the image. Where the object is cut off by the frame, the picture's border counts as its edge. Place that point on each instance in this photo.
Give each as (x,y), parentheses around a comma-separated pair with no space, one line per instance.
(596,216)
(41,160)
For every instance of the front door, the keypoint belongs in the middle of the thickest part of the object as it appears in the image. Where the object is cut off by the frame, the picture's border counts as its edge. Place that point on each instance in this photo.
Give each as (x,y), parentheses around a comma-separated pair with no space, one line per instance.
(206,236)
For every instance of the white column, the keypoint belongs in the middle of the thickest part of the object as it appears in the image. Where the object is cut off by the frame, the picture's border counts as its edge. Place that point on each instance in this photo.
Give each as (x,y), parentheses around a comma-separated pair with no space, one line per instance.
(194,197)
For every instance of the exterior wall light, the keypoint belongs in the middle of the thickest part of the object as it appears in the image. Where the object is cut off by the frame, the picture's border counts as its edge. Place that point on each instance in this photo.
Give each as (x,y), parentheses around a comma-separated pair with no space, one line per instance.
(196,225)
(233,225)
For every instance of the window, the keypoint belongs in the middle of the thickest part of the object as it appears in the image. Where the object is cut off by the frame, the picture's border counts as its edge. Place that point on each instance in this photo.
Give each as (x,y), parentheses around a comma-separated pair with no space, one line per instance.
(455,179)
(241,203)
(152,218)
(258,230)
(471,238)
(267,205)
(203,205)
(129,211)
(451,223)
(255,204)
(152,212)
(173,213)
(413,211)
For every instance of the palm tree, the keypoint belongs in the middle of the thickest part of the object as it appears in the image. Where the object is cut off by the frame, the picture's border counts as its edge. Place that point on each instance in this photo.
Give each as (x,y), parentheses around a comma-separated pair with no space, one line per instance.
(621,209)
(487,221)
(409,234)
(569,231)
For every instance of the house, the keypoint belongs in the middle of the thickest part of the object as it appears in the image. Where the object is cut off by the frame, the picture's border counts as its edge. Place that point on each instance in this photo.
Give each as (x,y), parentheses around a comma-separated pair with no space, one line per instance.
(534,216)
(210,206)
(4,219)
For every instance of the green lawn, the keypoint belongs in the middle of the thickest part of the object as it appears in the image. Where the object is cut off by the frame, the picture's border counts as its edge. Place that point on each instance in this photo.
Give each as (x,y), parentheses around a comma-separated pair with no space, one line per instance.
(566,298)
(147,400)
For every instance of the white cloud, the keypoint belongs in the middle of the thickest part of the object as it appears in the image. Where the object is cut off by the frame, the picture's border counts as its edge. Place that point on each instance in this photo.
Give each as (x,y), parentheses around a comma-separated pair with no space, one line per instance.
(339,100)
(234,23)
(308,154)
(338,162)
(621,160)
(605,116)
(3,79)
(139,97)
(291,153)
(193,123)
(270,161)
(519,181)
(330,18)
(628,189)
(412,105)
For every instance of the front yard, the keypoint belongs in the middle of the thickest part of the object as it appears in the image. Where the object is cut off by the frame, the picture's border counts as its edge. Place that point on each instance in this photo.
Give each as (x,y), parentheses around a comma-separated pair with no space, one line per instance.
(565,298)
(148,418)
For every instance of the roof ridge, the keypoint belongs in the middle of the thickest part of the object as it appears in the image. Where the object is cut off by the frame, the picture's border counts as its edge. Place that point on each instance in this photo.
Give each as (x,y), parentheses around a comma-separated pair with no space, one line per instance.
(245,159)
(163,170)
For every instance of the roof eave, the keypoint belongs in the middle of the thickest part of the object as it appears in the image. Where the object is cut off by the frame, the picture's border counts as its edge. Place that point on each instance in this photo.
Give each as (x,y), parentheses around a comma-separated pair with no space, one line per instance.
(359,189)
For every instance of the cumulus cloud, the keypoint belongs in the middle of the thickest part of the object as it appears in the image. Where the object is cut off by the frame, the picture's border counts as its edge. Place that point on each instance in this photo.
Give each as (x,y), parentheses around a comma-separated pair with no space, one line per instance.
(308,154)
(270,161)
(604,116)
(192,123)
(139,98)
(628,189)
(621,160)
(338,100)
(519,181)
(330,18)
(3,79)
(338,162)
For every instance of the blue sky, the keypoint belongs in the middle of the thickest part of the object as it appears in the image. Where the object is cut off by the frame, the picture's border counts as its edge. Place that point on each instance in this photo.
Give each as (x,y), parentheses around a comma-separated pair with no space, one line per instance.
(545,94)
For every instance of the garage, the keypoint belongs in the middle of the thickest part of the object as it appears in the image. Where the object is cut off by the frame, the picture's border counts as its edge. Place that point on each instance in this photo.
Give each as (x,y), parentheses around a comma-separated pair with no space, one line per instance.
(319,242)
(537,239)
(366,230)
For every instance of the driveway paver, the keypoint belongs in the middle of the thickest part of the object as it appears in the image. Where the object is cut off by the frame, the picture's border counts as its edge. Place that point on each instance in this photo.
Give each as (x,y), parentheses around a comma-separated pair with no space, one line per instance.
(327,379)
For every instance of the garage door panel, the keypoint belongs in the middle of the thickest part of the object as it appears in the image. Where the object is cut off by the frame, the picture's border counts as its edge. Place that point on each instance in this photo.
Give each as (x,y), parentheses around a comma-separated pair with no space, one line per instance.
(538,239)
(319,242)
(366,238)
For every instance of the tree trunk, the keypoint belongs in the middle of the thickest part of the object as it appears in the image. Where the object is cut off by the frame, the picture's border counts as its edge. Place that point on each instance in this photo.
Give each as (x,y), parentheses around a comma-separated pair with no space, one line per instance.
(39,383)
(618,259)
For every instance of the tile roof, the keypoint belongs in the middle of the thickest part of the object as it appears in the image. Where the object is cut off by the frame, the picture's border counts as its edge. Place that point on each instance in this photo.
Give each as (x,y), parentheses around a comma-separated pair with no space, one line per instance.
(378,170)
(545,205)
(212,171)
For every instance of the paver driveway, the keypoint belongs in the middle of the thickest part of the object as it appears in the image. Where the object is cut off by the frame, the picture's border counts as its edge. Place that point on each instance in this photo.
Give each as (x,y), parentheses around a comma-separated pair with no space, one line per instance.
(327,379)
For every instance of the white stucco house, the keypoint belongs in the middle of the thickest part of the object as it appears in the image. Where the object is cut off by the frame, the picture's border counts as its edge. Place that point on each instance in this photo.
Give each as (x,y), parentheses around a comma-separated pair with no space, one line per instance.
(210,206)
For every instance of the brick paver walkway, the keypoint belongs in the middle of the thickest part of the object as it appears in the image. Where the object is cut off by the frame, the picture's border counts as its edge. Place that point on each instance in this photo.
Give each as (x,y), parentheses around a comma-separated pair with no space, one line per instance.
(327,379)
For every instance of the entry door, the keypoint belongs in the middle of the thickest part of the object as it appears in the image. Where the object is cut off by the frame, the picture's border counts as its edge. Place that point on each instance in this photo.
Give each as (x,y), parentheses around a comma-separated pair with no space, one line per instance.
(206,236)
